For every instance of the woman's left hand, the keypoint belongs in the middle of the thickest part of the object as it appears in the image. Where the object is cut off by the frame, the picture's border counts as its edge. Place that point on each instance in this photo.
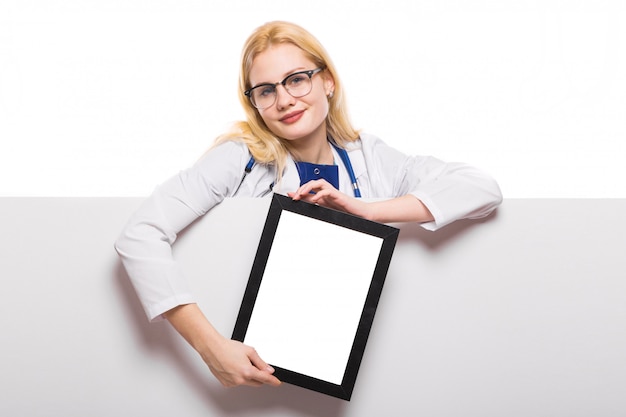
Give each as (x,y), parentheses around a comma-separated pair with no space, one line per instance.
(328,196)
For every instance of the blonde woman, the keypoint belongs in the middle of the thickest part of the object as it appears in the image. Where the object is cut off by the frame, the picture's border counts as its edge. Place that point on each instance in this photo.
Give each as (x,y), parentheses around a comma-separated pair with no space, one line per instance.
(296,140)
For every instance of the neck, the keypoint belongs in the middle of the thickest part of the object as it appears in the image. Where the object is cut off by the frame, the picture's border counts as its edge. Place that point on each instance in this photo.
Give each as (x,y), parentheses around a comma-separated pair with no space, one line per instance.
(315,152)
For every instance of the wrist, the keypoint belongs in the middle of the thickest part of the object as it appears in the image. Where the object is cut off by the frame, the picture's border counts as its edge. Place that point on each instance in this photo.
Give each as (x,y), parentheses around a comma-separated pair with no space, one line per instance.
(192,325)
(369,211)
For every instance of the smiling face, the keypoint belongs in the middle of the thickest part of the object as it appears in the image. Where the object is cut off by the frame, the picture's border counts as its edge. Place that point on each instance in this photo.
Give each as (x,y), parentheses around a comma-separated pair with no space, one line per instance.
(294,119)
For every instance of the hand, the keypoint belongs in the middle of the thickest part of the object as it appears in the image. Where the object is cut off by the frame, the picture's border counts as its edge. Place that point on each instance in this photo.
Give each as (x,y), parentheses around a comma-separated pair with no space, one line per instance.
(234,363)
(328,196)
(406,208)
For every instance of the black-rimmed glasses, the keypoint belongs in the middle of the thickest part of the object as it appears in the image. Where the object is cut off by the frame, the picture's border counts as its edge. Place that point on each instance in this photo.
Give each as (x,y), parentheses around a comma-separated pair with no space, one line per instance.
(297,85)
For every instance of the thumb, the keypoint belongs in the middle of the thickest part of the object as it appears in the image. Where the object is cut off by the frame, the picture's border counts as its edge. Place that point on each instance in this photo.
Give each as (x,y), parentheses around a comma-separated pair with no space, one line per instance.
(259,363)
(265,370)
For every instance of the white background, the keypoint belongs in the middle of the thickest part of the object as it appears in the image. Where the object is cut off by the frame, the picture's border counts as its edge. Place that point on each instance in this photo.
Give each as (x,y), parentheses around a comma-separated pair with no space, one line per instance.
(109,98)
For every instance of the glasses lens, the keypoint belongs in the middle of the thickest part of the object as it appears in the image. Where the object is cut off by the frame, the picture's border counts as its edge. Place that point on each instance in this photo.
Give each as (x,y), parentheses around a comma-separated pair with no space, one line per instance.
(298,84)
(263,96)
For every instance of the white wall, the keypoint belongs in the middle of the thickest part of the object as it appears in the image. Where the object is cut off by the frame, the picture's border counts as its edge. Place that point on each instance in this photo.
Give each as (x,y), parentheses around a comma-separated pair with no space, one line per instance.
(109,98)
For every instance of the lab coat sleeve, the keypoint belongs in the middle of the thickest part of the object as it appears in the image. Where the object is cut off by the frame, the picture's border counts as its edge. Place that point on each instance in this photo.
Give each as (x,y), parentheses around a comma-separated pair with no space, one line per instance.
(144,245)
(451,191)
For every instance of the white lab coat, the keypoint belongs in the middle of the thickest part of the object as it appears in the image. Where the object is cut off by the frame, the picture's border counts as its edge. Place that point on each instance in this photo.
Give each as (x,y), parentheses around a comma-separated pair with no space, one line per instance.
(451,191)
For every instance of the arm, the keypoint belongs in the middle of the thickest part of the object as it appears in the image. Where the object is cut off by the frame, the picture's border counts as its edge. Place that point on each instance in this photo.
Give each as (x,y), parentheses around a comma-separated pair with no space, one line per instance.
(449,190)
(400,209)
(230,361)
(397,210)
(145,250)
(419,189)
(145,244)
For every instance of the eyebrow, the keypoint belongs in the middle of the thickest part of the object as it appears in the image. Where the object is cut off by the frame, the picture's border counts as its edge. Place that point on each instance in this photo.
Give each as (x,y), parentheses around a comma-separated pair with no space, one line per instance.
(285,75)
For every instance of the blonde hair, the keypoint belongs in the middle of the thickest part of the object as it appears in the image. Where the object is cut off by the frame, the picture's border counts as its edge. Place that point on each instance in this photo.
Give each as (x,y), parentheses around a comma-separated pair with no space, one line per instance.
(264,146)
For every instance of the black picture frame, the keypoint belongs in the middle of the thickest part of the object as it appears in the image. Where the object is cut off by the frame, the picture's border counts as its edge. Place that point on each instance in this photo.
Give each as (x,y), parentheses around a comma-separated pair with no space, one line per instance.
(326,271)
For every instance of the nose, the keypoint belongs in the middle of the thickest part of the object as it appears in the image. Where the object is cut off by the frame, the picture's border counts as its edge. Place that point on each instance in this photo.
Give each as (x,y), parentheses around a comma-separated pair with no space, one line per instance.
(283,98)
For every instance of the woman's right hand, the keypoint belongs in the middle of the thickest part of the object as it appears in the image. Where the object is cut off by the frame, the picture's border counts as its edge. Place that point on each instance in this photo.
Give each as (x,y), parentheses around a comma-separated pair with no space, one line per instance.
(230,361)
(234,363)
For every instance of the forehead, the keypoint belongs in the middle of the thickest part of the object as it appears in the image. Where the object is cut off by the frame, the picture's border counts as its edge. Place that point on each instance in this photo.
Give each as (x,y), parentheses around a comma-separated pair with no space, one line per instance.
(277,62)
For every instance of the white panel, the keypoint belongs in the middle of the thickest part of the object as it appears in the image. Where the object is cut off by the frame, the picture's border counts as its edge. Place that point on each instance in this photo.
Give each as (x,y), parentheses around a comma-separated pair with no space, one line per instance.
(522,314)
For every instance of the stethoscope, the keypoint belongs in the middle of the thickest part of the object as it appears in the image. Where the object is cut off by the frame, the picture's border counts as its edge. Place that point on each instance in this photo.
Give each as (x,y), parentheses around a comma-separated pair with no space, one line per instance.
(343,154)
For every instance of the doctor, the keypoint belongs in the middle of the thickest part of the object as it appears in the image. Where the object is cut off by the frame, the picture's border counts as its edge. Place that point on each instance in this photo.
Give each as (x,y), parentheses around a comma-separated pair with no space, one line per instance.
(297,140)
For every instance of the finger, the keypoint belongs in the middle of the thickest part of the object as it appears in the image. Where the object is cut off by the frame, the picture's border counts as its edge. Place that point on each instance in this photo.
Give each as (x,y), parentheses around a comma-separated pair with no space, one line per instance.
(265,371)
(259,363)
(307,188)
(312,187)
(253,383)
(319,184)
(297,195)
(264,378)
(258,377)
(322,196)
(300,193)
(250,376)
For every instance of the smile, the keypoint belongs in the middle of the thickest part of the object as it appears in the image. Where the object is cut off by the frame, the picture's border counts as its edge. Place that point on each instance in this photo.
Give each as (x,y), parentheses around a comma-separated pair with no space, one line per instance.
(292,117)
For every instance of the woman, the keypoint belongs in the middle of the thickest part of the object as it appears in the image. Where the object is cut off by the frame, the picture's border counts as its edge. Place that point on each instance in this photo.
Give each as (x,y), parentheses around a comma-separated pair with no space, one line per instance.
(297,141)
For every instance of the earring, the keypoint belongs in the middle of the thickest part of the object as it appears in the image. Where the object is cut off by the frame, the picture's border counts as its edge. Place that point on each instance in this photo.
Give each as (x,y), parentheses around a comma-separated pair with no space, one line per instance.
(331,94)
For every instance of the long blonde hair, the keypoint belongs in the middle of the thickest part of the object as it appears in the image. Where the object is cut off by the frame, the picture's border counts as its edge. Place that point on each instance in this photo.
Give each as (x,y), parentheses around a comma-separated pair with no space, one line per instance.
(264,146)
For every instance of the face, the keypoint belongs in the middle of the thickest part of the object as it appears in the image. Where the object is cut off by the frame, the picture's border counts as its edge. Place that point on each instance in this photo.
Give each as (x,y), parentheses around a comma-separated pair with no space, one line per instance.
(293,119)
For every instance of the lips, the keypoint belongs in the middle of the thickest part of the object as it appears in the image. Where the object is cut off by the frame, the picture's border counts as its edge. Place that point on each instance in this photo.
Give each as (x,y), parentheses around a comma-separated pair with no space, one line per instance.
(292,117)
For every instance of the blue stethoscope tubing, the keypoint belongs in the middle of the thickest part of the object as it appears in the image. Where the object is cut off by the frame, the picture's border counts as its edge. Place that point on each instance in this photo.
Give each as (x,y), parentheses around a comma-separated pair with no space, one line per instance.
(343,154)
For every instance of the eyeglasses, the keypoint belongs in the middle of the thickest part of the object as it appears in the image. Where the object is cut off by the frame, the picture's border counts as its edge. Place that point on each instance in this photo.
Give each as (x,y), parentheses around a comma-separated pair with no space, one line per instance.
(297,85)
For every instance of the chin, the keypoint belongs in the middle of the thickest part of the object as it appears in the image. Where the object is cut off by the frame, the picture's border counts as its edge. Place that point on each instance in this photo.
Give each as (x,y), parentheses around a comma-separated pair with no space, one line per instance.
(301,129)
(292,135)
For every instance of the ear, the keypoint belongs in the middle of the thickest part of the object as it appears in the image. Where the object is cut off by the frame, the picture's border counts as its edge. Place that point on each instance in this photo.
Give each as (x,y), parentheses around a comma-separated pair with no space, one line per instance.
(329,83)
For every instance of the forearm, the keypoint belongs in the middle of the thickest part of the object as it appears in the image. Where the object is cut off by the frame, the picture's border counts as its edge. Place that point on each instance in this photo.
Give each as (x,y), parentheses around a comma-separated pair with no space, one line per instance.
(398,210)
(193,326)
(407,208)
(232,362)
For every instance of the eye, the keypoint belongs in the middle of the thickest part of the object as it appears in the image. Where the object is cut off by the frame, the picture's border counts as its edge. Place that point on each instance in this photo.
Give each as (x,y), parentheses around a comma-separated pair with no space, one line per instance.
(265,90)
(296,79)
